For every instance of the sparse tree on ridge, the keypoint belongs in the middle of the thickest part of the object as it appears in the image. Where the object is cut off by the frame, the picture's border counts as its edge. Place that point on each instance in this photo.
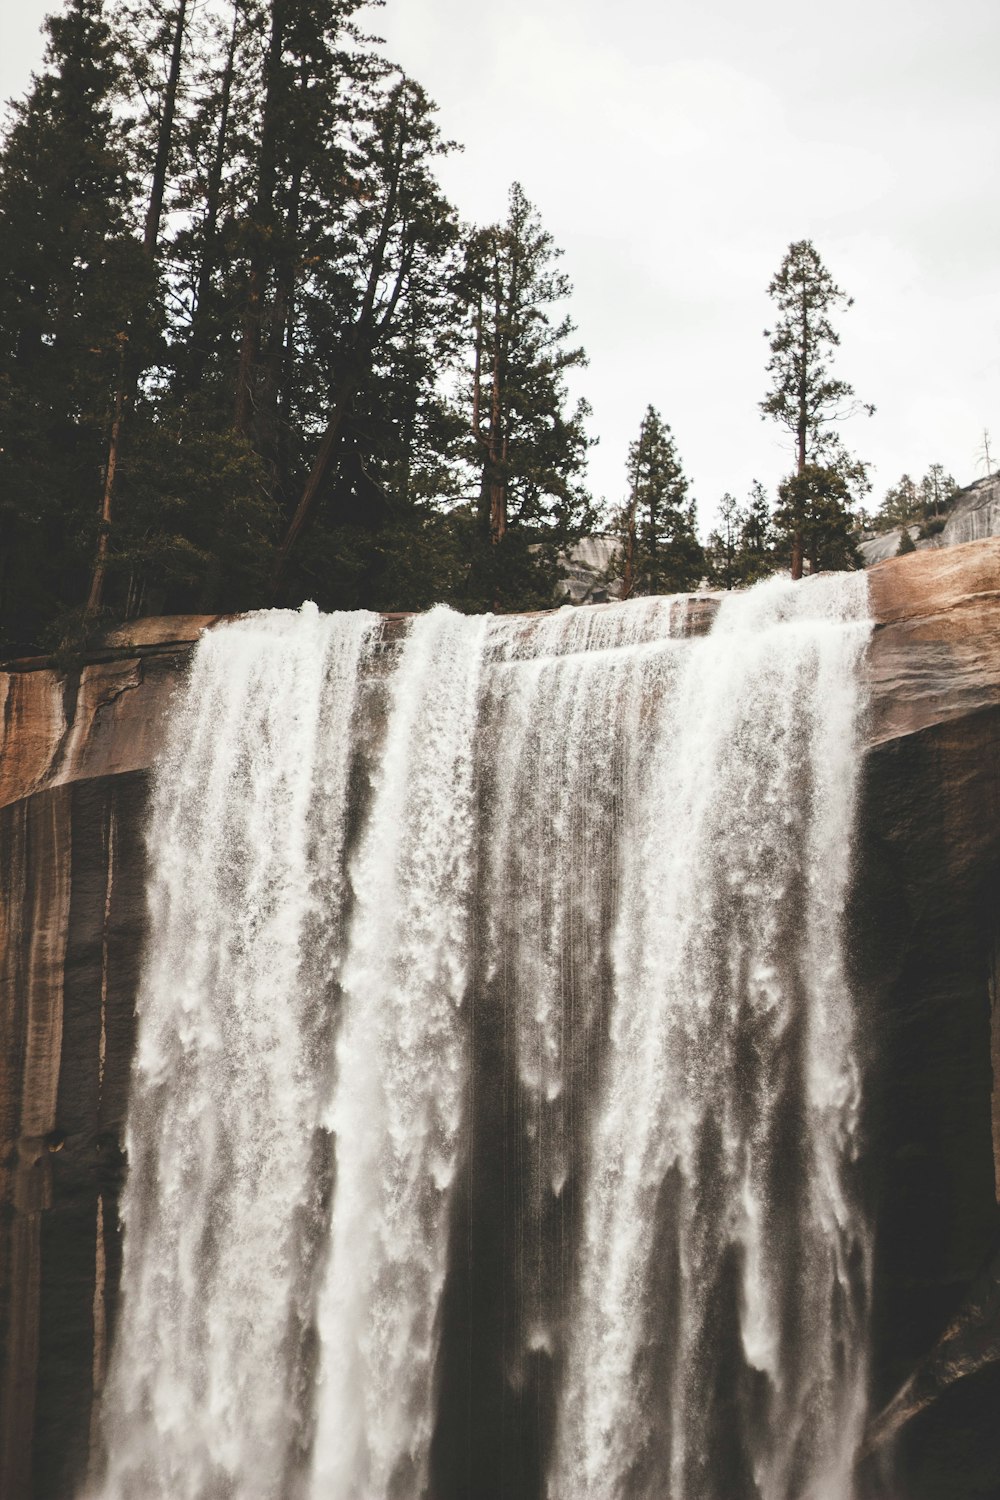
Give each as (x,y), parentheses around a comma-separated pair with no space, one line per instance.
(901,504)
(806,398)
(925,502)
(937,491)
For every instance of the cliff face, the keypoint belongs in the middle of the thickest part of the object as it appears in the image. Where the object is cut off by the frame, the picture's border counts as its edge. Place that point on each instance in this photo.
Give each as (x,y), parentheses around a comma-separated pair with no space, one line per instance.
(73,769)
(925,924)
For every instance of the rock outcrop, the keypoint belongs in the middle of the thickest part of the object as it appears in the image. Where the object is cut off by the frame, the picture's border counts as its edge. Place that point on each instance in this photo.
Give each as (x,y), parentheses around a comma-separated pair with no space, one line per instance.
(74,759)
(973,516)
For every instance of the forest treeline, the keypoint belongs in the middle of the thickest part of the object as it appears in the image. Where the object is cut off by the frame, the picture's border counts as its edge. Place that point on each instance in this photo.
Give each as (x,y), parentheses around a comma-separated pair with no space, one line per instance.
(249,354)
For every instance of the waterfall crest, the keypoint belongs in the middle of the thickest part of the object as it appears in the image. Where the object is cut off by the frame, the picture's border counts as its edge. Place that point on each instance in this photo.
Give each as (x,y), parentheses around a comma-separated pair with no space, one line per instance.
(495,1108)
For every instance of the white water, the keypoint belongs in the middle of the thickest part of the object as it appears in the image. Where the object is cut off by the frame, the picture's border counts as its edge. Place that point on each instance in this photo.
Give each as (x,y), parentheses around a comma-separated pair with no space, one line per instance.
(731,1012)
(557,905)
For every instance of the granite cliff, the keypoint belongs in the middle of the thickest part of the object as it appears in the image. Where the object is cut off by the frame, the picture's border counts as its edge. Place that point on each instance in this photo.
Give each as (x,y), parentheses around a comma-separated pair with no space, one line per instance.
(74,759)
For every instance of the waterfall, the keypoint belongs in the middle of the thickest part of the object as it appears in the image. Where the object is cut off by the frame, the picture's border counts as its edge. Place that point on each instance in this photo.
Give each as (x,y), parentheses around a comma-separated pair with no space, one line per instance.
(494,1118)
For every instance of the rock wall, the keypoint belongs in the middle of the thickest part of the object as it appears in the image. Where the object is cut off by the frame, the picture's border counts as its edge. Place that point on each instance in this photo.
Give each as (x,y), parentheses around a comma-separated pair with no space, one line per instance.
(74,753)
(74,758)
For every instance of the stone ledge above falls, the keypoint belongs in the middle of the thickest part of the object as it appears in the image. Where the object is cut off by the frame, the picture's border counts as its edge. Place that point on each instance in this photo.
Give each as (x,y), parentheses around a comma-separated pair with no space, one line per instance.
(935,657)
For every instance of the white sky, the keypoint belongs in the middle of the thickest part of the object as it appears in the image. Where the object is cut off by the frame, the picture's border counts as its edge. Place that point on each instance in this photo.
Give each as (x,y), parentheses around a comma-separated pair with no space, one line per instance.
(674,150)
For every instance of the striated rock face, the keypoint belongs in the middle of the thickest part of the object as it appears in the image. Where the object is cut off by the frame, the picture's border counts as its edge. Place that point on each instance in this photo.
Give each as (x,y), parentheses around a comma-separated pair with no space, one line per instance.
(927,915)
(74,757)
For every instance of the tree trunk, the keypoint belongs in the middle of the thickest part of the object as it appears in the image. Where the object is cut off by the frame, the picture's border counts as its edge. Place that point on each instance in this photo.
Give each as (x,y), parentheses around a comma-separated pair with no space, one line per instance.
(369,330)
(628,572)
(797,553)
(154,208)
(210,232)
(96,595)
(495,500)
(318,476)
(263,227)
(128,368)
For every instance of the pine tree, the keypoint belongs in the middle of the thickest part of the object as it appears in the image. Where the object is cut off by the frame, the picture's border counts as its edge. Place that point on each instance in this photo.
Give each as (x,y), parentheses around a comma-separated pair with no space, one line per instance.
(925,501)
(805,397)
(396,311)
(813,512)
(528,442)
(740,550)
(722,552)
(661,553)
(902,504)
(755,555)
(72,275)
(937,493)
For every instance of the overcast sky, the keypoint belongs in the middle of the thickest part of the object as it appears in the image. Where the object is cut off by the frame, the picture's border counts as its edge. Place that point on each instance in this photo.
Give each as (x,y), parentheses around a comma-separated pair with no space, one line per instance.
(674,150)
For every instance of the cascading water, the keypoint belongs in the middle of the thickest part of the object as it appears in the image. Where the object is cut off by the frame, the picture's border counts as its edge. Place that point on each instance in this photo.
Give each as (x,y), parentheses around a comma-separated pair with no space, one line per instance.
(496,1099)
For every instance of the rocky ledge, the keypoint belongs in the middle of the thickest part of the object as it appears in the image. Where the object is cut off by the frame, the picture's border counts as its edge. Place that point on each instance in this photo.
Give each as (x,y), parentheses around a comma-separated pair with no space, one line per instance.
(74,757)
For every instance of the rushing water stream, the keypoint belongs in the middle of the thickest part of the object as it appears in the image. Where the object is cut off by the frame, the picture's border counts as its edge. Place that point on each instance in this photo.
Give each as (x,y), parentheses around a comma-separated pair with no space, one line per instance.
(496,1097)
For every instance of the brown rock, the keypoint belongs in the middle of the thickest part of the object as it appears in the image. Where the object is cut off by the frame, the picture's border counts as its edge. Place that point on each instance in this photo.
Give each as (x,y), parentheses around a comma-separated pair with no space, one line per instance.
(936,651)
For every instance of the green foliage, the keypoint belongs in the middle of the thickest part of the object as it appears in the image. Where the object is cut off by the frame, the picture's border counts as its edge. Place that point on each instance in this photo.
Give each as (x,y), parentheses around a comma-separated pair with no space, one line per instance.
(661,553)
(226,261)
(740,550)
(812,513)
(805,397)
(808,400)
(925,502)
(526,440)
(71,279)
(906,543)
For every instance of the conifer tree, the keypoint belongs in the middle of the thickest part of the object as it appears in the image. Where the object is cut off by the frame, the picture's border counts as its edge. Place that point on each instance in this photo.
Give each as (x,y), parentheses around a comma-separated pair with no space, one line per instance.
(661,552)
(806,398)
(72,275)
(814,510)
(937,492)
(375,307)
(755,557)
(528,442)
(901,504)
(722,551)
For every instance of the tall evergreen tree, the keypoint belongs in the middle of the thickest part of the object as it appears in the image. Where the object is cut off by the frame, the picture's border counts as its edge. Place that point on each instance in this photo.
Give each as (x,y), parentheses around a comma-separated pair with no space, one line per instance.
(394,238)
(805,397)
(755,557)
(661,553)
(528,441)
(72,275)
